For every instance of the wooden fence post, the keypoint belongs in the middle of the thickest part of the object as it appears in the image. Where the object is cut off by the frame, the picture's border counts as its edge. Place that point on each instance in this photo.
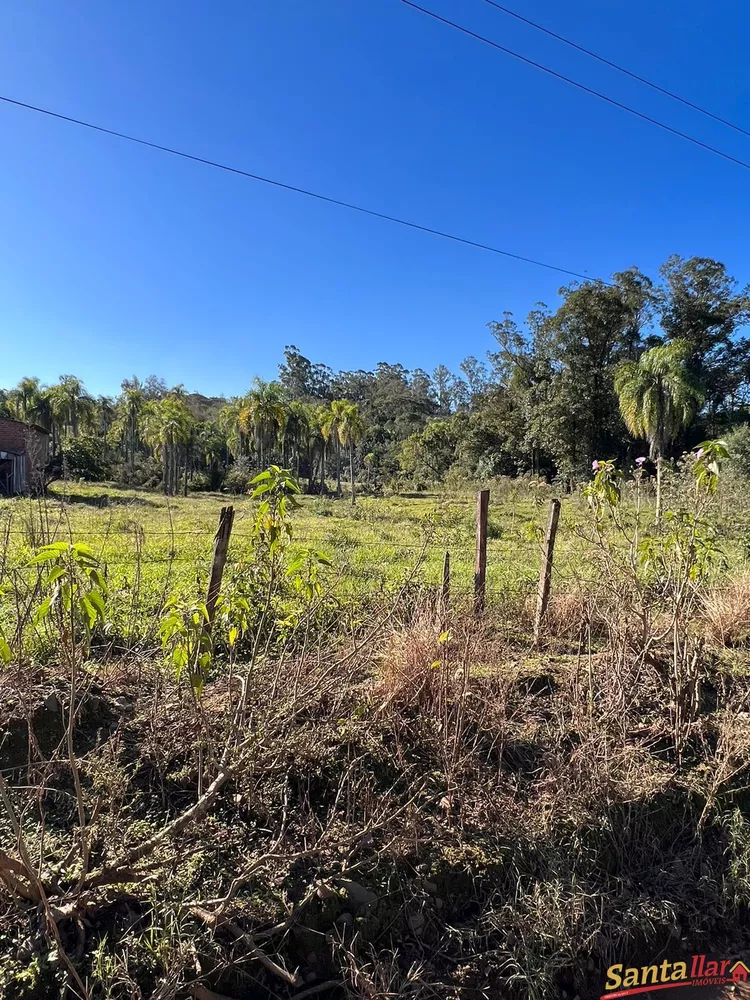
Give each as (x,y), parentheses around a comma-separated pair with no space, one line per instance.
(545,571)
(221,544)
(480,559)
(445,587)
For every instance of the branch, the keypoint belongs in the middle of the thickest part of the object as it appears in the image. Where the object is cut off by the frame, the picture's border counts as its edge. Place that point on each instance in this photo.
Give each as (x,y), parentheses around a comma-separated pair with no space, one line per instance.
(215,922)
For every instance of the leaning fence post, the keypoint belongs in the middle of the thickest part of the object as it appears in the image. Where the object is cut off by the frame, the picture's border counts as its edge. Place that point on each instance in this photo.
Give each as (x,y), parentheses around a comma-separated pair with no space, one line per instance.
(480,558)
(221,544)
(445,587)
(545,571)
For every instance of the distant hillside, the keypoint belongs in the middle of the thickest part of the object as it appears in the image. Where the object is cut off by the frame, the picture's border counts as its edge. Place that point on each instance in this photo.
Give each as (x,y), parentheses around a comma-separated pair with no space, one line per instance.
(204,407)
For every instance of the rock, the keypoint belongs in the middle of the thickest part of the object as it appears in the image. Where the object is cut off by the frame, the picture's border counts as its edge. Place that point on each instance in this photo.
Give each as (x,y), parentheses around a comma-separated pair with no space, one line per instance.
(324,891)
(123,703)
(344,920)
(357,893)
(430,887)
(52,703)
(25,951)
(416,922)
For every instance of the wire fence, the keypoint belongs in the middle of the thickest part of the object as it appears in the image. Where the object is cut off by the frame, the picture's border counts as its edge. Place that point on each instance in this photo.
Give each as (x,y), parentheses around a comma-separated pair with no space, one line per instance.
(363,553)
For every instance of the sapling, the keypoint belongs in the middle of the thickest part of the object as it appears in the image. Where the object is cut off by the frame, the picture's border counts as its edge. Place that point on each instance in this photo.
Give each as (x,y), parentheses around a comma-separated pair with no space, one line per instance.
(74,603)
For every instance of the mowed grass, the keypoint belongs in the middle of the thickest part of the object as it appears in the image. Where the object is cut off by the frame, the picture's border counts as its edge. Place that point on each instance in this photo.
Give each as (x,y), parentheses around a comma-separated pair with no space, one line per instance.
(372,545)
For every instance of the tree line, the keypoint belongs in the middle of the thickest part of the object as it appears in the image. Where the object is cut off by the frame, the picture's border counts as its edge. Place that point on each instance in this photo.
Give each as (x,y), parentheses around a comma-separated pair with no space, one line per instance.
(616,362)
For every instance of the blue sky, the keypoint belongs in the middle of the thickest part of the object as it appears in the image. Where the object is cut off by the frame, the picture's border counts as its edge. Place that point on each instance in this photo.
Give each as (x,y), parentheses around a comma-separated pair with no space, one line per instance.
(118,260)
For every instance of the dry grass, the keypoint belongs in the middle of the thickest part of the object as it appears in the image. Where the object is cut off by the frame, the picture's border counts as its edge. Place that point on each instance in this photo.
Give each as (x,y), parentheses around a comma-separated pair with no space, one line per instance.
(411,664)
(726,612)
(507,828)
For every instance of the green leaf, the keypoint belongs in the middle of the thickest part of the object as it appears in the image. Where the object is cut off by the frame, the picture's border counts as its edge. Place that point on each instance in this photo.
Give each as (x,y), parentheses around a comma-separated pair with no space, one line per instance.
(5,654)
(46,555)
(98,602)
(43,610)
(261,477)
(88,611)
(83,550)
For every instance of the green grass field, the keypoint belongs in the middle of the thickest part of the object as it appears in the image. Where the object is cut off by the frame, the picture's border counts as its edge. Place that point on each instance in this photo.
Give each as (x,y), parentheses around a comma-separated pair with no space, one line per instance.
(372,544)
(152,546)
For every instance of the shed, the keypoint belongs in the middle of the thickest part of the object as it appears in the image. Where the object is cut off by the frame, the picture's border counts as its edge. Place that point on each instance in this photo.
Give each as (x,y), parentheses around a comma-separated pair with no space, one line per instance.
(23,456)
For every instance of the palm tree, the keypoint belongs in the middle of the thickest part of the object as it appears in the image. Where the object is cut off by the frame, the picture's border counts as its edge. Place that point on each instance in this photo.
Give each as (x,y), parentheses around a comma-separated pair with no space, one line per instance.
(330,429)
(658,397)
(71,404)
(209,442)
(316,441)
(351,430)
(368,461)
(24,398)
(167,425)
(229,424)
(296,430)
(265,414)
(105,412)
(130,408)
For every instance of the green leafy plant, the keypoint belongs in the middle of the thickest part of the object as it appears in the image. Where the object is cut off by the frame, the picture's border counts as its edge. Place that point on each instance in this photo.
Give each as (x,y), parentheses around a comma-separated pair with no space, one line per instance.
(186,641)
(233,616)
(605,489)
(277,490)
(74,602)
(75,589)
(305,573)
(5,651)
(708,459)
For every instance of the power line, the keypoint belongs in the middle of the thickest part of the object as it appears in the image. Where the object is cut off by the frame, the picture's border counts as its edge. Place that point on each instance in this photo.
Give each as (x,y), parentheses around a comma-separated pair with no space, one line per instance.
(574,83)
(297,190)
(620,69)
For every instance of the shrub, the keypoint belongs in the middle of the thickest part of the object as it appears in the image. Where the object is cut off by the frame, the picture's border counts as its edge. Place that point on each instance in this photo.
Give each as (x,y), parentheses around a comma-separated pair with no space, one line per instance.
(238,477)
(83,459)
(145,471)
(200,482)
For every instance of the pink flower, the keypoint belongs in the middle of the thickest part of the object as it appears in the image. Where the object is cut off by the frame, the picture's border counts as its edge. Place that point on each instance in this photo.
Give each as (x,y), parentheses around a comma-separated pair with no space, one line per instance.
(594,466)
(699,453)
(641,460)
